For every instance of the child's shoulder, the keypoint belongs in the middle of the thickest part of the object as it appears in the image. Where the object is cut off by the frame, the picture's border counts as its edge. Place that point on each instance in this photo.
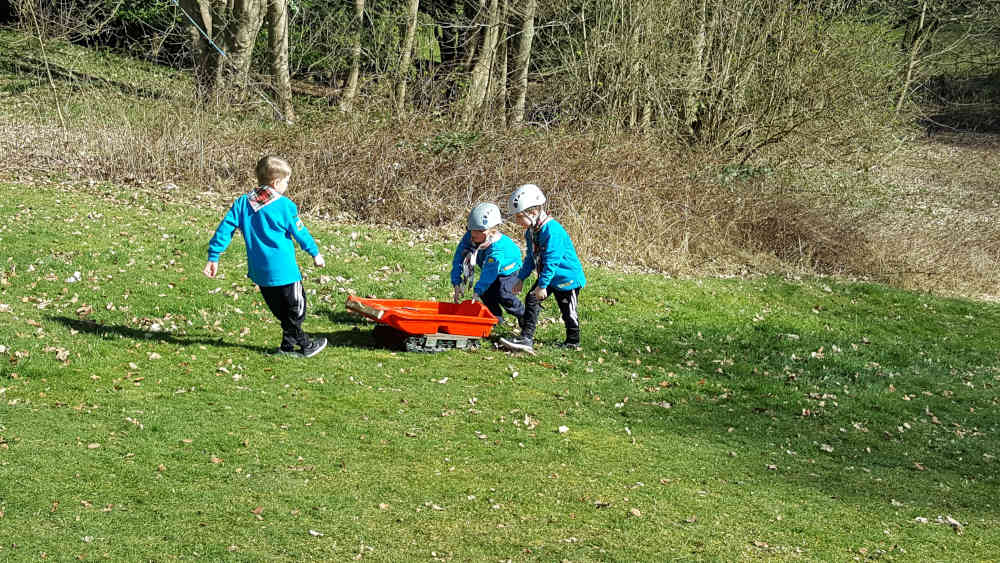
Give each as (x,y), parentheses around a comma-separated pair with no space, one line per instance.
(504,241)
(553,225)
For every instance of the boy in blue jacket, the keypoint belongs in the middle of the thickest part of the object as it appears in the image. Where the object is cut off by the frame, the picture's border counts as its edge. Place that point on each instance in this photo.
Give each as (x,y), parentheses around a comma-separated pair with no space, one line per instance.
(552,255)
(269,221)
(499,260)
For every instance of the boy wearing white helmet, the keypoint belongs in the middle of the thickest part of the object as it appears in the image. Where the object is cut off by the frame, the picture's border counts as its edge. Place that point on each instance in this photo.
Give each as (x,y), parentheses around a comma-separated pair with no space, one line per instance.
(552,255)
(499,260)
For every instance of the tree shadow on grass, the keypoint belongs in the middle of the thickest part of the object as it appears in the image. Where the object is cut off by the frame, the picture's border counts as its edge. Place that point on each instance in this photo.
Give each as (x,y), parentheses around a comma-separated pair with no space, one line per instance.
(983,119)
(356,337)
(962,104)
(839,425)
(107,331)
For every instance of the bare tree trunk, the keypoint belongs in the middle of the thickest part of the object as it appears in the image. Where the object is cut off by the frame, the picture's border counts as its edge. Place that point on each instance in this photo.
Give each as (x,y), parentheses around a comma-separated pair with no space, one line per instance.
(406,55)
(498,84)
(696,71)
(522,58)
(351,90)
(277,34)
(45,58)
(223,34)
(473,40)
(453,34)
(633,83)
(207,63)
(480,76)
(919,38)
(248,15)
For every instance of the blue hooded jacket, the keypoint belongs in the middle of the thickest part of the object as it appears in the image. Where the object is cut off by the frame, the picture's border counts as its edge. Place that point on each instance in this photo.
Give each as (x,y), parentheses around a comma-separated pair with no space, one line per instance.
(502,258)
(551,252)
(268,234)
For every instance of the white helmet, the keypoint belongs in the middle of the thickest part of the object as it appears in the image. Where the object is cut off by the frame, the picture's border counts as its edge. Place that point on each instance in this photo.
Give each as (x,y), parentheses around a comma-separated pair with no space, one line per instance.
(484,216)
(525,197)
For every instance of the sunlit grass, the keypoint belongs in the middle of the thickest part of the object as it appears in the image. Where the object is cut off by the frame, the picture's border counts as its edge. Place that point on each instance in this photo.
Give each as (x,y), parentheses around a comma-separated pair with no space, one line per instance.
(705,419)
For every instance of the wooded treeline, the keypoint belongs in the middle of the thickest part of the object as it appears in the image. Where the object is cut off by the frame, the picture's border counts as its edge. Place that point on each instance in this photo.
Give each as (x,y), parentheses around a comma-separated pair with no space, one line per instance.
(727,74)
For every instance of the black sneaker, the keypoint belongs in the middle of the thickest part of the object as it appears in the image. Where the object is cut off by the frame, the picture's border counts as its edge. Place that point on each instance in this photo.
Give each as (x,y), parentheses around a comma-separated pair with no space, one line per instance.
(519,344)
(575,346)
(314,347)
(284,352)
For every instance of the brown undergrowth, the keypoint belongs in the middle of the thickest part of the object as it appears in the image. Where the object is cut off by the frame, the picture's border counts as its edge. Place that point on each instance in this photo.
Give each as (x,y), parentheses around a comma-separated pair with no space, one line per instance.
(921,216)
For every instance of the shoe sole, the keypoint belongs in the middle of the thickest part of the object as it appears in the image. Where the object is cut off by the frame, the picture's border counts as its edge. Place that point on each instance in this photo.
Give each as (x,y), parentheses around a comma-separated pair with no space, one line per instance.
(317,350)
(514,347)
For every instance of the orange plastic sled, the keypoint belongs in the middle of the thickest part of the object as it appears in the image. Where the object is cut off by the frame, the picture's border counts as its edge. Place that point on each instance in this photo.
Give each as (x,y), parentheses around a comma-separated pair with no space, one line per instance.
(469,318)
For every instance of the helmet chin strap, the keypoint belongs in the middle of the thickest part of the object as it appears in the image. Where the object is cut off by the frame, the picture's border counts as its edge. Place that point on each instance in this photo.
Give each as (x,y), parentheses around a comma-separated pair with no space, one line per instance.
(539,219)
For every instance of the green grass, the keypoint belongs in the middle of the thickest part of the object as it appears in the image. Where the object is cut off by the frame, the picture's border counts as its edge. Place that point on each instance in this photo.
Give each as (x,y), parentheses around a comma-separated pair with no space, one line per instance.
(81,65)
(709,419)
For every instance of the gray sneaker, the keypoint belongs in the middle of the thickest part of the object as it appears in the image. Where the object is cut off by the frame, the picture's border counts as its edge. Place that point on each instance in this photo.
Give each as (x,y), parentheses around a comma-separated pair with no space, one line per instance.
(519,344)
(314,347)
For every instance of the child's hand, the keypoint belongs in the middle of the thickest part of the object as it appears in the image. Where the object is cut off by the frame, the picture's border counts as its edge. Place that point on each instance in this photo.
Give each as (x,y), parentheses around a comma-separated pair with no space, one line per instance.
(319,261)
(211,268)
(519,286)
(541,293)
(457,294)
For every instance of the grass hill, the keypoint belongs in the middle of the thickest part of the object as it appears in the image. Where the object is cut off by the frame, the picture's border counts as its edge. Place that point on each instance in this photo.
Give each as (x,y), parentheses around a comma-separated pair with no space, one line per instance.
(782,414)
(721,419)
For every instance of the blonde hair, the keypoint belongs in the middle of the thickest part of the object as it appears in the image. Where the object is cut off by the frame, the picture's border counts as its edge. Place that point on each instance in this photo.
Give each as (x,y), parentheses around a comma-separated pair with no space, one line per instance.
(271,168)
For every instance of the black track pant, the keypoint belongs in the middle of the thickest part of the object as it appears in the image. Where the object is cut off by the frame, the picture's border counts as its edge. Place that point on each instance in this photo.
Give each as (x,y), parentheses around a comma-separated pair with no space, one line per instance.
(288,303)
(567,301)
(500,297)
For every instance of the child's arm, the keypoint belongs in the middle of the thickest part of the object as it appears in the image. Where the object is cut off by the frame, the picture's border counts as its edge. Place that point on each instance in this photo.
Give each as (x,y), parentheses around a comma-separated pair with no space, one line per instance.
(220,241)
(554,242)
(529,260)
(301,235)
(458,258)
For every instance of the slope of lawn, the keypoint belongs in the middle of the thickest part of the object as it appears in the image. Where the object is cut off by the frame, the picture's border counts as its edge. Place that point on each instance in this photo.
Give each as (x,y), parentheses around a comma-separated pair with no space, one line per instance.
(716,419)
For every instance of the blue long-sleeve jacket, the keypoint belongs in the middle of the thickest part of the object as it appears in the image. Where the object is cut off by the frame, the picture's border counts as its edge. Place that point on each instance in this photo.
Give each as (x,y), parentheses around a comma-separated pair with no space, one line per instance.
(268,234)
(502,258)
(551,252)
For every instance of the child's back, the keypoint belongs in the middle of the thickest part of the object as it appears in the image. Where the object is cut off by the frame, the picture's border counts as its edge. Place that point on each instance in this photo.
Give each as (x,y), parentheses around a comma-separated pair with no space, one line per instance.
(269,223)
(552,256)
(268,232)
(551,253)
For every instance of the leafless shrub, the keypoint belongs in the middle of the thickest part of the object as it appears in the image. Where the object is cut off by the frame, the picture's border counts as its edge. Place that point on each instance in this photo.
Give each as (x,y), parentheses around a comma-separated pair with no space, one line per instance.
(627,200)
